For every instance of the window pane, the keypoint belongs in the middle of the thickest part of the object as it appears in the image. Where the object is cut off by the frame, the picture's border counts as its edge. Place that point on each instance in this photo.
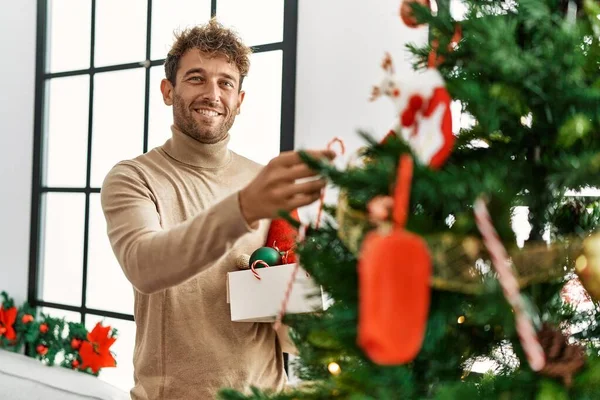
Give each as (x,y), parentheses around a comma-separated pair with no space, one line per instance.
(69,34)
(122,375)
(172,15)
(160,115)
(66,143)
(257,22)
(255,133)
(120,31)
(118,127)
(69,316)
(103,269)
(62,247)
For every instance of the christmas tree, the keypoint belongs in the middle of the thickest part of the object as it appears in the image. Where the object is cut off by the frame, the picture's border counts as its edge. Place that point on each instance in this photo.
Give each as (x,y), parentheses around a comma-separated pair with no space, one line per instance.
(421,260)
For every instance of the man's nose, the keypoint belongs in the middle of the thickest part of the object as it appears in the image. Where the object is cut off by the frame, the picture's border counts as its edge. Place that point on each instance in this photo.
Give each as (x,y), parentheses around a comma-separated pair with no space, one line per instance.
(212,91)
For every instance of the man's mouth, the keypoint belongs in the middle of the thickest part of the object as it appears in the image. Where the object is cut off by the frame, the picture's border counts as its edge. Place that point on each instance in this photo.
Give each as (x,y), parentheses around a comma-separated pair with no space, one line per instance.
(205,112)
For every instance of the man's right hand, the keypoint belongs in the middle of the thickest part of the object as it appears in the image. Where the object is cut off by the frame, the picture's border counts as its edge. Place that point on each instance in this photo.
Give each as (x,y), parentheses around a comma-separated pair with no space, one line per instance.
(275,187)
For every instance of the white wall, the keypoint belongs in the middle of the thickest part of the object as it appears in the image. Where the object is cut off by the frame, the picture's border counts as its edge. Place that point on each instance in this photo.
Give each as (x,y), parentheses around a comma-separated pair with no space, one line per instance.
(341,44)
(17,85)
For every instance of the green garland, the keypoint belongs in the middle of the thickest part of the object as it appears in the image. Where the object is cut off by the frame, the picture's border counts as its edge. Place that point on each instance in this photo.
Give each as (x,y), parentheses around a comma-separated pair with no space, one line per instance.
(45,337)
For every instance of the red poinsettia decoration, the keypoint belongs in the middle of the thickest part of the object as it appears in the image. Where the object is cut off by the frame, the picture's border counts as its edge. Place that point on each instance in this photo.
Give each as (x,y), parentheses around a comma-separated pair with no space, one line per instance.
(95,352)
(7,322)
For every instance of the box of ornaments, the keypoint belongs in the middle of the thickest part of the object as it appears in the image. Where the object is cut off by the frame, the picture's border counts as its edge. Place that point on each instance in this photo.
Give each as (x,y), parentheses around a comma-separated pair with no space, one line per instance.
(271,274)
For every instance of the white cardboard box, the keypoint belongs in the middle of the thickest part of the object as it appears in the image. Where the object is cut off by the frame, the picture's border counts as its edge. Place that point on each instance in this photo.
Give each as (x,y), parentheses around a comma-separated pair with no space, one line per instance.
(254,300)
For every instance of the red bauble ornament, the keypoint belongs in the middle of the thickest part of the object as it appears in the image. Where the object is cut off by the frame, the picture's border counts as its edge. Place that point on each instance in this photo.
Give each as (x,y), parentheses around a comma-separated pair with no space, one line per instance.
(41,349)
(406,12)
(44,328)
(27,318)
(75,364)
(75,343)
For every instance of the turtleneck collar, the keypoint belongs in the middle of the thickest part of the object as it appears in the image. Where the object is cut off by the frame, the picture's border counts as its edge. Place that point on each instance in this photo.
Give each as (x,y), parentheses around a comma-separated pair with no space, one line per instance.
(190,151)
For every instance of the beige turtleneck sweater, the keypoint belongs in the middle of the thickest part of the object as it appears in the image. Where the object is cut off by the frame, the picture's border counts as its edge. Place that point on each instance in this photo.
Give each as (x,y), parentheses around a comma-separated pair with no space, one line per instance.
(175,225)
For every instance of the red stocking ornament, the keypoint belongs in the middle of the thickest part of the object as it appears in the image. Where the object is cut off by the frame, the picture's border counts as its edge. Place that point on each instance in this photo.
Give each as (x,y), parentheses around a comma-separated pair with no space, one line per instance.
(282,236)
(424,119)
(394,275)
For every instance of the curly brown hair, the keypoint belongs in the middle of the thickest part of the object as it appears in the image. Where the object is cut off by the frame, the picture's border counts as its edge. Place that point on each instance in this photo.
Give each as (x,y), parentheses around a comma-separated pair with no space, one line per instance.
(213,39)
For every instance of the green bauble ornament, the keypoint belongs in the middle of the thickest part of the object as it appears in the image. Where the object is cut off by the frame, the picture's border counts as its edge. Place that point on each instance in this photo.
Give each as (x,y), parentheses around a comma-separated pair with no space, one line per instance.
(266,254)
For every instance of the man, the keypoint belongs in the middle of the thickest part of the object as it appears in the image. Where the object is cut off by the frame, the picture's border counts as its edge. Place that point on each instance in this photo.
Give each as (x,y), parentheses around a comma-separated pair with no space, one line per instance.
(179,216)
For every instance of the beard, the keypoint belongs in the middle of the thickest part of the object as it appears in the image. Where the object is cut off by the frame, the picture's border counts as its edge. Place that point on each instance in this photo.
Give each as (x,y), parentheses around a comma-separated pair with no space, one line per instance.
(184,120)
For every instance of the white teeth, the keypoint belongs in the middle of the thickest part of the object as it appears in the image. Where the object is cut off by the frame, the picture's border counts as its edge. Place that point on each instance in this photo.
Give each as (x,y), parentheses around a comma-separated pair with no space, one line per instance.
(208,113)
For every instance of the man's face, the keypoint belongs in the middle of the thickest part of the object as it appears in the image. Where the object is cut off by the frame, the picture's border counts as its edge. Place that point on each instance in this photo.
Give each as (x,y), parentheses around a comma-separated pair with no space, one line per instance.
(206,97)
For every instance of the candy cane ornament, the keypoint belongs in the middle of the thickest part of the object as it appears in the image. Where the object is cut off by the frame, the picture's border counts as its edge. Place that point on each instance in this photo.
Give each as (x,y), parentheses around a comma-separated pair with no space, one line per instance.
(301,236)
(510,286)
(288,291)
(254,266)
(322,196)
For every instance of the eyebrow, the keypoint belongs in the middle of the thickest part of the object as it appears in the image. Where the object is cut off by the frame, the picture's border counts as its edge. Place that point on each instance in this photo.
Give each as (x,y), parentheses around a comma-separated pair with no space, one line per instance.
(201,70)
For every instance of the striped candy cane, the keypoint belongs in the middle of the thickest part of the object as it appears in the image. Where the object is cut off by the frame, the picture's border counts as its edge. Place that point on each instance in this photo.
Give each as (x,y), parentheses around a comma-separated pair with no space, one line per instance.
(322,197)
(256,263)
(510,286)
(288,291)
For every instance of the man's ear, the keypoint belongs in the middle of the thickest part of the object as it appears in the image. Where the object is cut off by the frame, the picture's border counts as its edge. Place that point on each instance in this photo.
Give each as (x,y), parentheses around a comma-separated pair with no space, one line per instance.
(241,97)
(166,87)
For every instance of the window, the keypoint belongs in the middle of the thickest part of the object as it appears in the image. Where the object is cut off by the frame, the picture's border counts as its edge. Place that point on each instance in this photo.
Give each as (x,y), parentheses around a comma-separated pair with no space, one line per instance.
(99,65)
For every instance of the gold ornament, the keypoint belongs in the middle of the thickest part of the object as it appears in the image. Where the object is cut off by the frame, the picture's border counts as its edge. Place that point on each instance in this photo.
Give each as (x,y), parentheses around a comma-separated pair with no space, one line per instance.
(353,224)
(461,262)
(587,265)
(471,247)
(243,261)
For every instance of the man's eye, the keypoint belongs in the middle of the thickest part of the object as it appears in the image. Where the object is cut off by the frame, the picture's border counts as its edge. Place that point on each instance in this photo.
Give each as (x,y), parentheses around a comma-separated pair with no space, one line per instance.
(229,84)
(196,78)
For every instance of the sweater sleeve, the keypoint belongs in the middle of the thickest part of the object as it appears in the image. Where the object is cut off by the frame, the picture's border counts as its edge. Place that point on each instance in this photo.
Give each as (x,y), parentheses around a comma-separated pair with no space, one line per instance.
(154,258)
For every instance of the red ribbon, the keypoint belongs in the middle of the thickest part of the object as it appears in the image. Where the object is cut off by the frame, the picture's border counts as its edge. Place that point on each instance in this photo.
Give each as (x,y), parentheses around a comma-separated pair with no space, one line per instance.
(434,60)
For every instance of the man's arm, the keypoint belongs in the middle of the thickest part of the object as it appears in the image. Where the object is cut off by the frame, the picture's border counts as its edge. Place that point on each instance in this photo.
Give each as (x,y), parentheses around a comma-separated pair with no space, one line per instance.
(154,258)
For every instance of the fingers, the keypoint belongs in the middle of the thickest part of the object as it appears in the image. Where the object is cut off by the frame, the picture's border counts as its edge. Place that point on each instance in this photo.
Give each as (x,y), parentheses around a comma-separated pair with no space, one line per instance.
(282,184)
(309,188)
(290,158)
(298,171)
(303,199)
(290,167)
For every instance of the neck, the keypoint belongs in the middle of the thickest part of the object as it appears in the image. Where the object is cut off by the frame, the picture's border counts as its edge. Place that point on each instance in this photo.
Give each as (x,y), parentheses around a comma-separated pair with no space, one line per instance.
(190,151)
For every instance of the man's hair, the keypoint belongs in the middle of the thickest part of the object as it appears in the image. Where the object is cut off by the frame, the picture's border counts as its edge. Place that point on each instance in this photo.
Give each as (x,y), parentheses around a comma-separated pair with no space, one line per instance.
(213,39)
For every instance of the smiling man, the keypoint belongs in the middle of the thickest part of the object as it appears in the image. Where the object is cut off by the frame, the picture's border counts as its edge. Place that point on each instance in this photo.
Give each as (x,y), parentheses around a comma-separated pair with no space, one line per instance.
(179,216)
